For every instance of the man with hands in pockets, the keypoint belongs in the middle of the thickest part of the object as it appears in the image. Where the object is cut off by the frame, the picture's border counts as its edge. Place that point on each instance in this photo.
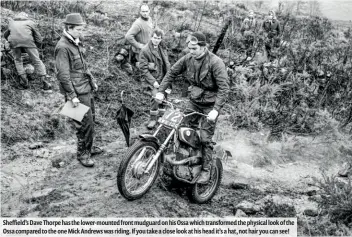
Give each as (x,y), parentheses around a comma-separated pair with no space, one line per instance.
(209,88)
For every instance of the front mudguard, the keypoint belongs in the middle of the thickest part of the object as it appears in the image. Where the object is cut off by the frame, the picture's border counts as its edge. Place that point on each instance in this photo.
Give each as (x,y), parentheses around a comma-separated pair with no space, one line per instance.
(151,138)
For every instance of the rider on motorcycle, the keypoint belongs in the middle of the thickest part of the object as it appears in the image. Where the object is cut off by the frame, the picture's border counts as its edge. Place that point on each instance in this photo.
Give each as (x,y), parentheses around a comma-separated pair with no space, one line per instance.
(209,88)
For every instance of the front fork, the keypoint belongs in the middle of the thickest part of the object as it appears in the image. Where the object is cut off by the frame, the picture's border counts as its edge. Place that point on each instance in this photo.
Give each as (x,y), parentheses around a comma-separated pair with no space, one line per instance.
(161,149)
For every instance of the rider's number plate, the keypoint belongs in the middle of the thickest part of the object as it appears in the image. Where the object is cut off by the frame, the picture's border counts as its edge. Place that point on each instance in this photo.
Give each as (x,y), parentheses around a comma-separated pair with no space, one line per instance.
(171,118)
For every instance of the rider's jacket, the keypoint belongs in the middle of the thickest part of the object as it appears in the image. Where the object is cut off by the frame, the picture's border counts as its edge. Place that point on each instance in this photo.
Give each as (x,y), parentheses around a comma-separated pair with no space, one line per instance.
(209,75)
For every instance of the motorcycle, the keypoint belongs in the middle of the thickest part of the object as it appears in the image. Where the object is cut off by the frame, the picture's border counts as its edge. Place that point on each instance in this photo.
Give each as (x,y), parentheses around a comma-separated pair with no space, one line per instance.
(179,157)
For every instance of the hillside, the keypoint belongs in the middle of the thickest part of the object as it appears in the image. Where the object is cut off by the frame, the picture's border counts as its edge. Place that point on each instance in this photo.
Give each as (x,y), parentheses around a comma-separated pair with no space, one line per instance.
(287,123)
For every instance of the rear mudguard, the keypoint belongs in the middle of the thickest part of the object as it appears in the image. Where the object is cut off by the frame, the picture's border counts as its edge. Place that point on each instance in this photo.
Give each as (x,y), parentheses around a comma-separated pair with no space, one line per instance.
(151,138)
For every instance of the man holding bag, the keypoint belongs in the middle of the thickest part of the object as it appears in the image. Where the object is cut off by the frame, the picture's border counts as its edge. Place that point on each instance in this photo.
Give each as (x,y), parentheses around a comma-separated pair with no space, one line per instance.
(207,75)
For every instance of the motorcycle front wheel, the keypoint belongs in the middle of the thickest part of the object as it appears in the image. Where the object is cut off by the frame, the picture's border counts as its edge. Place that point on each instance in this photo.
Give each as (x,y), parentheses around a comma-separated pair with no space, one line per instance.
(202,193)
(132,181)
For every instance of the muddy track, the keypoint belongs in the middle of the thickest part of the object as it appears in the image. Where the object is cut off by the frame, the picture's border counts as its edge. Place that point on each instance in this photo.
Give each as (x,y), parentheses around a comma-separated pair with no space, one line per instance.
(74,190)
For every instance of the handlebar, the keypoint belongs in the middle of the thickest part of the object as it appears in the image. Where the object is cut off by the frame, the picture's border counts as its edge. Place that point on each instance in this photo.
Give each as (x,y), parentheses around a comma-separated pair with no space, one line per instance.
(186,115)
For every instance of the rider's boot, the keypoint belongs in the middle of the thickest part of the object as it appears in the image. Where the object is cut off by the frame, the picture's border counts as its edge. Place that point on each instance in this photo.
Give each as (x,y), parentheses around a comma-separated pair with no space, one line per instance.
(152,121)
(207,153)
(204,176)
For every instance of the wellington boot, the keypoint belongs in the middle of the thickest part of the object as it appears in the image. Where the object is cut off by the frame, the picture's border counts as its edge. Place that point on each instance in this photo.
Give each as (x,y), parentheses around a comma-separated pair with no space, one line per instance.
(204,176)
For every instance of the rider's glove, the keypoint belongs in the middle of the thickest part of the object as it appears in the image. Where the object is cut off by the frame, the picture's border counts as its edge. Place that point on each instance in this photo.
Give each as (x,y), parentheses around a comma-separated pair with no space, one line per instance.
(213,115)
(159,97)
(156,84)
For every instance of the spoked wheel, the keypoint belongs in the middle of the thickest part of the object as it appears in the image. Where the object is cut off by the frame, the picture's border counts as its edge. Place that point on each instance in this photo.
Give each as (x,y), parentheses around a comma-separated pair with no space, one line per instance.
(202,193)
(132,180)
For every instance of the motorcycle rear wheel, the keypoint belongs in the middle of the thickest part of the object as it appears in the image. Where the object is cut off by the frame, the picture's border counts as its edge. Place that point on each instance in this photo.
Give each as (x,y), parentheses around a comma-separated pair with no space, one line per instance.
(132,182)
(202,193)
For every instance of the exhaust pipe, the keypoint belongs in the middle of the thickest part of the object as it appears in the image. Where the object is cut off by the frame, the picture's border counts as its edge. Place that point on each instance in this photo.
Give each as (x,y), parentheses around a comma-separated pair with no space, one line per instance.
(191,159)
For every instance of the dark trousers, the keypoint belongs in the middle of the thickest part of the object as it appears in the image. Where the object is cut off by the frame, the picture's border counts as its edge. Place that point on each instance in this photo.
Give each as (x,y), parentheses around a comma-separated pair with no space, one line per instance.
(271,42)
(207,129)
(85,128)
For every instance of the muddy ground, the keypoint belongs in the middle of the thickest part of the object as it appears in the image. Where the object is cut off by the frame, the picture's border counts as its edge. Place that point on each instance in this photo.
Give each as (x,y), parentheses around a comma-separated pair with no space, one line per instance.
(50,182)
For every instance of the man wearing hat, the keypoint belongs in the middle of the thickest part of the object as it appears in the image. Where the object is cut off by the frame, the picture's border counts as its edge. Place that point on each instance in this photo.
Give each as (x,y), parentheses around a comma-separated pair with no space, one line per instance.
(209,88)
(77,84)
(23,35)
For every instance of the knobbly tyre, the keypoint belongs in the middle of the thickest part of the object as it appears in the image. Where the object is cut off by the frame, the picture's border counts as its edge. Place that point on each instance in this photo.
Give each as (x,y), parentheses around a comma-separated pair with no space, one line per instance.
(177,157)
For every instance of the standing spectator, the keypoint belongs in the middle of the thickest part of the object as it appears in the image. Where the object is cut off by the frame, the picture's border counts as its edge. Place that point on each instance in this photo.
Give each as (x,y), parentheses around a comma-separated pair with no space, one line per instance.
(154,64)
(77,84)
(23,35)
(209,90)
(248,28)
(271,27)
(140,33)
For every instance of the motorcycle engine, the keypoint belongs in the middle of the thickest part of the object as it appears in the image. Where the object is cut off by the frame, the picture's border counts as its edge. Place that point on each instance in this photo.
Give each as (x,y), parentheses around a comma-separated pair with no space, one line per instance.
(185,171)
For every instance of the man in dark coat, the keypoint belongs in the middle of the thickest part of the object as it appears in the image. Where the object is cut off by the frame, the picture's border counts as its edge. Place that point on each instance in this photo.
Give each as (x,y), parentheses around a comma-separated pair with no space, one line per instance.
(154,64)
(23,35)
(77,84)
(209,88)
(271,27)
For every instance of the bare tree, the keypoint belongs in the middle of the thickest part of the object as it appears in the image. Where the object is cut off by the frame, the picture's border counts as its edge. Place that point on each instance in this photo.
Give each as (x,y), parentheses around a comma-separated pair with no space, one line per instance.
(314,8)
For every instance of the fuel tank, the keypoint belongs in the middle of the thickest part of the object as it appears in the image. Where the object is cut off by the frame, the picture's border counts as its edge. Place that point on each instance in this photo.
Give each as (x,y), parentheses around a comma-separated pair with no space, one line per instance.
(189,136)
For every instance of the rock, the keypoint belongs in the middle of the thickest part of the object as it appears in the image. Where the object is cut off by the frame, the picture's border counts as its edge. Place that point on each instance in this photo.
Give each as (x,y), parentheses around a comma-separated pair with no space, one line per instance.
(239,185)
(62,158)
(310,212)
(248,207)
(311,181)
(316,198)
(43,153)
(240,213)
(36,145)
(311,191)
(54,170)
(277,206)
(41,194)
(61,164)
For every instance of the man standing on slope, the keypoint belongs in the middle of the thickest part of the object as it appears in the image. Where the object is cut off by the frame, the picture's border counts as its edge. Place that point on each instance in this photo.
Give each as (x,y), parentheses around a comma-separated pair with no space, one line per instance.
(77,84)
(154,64)
(207,75)
(140,33)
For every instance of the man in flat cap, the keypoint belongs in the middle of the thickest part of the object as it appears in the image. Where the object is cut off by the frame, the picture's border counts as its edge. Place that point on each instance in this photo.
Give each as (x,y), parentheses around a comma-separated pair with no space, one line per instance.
(207,75)
(77,84)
